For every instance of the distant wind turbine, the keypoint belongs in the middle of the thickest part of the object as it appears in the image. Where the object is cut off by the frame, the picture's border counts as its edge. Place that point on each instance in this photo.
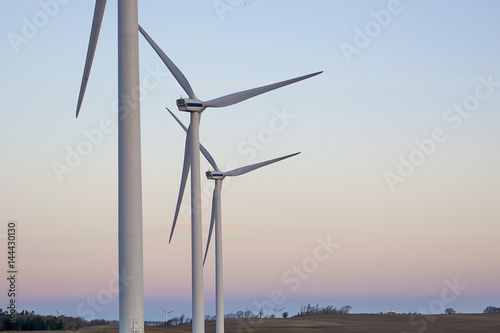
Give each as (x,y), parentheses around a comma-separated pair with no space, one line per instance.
(166,314)
(216,217)
(277,312)
(58,314)
(192,160)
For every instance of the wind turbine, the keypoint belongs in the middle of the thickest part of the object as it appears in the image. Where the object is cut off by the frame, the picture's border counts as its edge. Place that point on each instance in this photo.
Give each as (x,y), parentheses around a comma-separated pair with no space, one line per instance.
(166,314)
(130,242)
(58,314)
(277,311)
(216,218)
(192,159)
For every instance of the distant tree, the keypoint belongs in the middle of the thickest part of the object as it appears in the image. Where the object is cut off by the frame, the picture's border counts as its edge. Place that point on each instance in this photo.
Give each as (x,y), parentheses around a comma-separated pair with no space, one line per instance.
(261,312)
(285,314)
(449,311)
(173,321)
(491,309)
(230,316)
(8,325)
(249,314)
(345,309)
(51,323)
(39,323)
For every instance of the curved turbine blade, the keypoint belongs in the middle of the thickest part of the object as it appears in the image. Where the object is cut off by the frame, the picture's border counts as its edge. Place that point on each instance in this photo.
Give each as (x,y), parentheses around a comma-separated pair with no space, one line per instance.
(212,220)
(185,171)
(176,72)
(205,152)
(243,95)
(248,168)
(94,35)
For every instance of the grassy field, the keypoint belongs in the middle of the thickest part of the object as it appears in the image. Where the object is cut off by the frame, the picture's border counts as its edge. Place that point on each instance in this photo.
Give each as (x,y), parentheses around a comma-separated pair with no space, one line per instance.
(343,323)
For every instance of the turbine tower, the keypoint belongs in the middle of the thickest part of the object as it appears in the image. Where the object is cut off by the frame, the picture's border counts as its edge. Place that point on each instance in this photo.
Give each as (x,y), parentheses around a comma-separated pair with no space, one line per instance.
(166,314)
(192,159)
(216,218)
(130,242)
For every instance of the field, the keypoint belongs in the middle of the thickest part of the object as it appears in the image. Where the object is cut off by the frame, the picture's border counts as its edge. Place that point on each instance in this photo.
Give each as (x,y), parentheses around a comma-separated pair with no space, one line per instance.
(344,323)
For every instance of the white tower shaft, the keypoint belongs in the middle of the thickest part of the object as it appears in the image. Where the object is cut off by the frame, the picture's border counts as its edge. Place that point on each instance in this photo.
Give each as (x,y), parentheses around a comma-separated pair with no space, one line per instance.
(131,294)
(196,231)
(219,284)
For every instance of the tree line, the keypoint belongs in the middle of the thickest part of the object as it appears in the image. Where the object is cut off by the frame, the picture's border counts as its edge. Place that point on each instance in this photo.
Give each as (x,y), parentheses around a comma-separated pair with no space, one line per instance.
(29,321)
(311,310)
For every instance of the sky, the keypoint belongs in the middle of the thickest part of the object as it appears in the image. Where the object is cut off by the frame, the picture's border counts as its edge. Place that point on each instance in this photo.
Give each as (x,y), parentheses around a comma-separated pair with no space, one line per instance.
(392,203)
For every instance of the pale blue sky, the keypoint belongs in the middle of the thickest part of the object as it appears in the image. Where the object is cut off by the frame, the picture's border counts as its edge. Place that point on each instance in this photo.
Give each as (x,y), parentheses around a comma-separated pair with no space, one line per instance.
(352,123)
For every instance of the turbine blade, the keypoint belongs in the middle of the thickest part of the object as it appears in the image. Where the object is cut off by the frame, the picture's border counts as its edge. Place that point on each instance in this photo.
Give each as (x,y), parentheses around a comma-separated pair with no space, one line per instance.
(212,220)
(176,72)
(205,152)
(248,168)
(94,35)
(243,95)
(185,171)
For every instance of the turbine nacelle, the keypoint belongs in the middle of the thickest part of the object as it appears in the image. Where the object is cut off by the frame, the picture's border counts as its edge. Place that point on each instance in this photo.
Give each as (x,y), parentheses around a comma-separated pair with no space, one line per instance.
(215,175)
(190,105)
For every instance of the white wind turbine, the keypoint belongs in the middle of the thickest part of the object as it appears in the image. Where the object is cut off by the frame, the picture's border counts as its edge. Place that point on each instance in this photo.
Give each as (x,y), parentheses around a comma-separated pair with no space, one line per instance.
(130,250)
(216,218)
(58,314)
(166,314)
(192,159)
(277,311)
